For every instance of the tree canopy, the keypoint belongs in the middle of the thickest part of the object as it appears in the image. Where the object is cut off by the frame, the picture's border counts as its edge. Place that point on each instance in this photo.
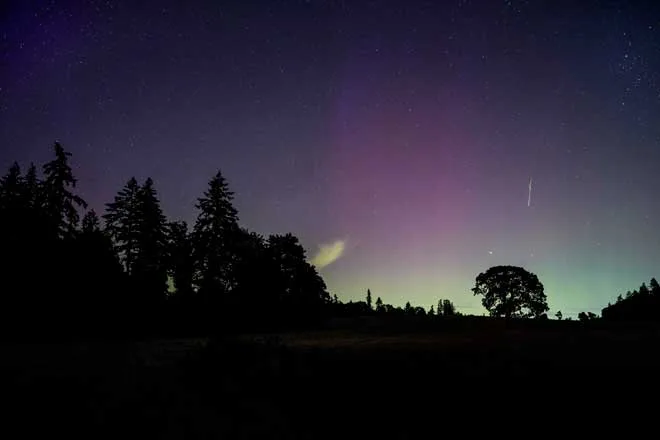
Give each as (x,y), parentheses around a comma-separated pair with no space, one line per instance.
(511,292)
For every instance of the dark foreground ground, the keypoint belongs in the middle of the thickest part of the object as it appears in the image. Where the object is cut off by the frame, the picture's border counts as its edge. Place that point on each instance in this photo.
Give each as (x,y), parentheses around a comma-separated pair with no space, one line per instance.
(352,380)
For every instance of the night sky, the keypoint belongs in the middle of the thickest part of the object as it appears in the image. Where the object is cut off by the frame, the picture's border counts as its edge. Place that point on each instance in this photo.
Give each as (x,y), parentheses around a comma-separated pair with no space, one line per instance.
(400,135)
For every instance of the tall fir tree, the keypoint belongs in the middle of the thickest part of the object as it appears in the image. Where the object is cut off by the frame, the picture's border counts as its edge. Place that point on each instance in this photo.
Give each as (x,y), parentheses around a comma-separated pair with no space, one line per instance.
(60,202)
(138,228)
(213,236)
(369,299)
(122,220)
(150,261)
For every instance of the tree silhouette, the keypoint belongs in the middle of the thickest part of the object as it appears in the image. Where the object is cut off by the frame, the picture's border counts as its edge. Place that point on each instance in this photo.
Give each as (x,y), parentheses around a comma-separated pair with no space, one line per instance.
(369,299)
(150,270)
(39,235)
(379,305)
(60,203)
(445,308)
(559,315)
(90,223)
(448,308)
(589,316)
(431,311)
(214,230)
(34,217)
(137,227)
(511,292)
(298,284)
(22,214)
(11,188)
(32,187)
(418,311)
(62,273)
(122,220)
(638,305)
(56,264)
(654,287)
(13,206)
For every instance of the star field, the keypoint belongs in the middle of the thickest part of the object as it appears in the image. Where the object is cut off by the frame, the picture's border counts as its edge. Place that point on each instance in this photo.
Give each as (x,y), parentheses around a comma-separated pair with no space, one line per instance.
(398,138)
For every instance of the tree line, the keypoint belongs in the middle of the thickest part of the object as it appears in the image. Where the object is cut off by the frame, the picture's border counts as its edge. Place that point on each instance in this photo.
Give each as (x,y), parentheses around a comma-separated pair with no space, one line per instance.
(367,307)
(642,304)
(132,271)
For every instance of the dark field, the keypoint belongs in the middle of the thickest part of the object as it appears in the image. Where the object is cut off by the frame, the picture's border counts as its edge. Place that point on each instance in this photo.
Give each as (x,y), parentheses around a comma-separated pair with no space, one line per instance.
(374,380)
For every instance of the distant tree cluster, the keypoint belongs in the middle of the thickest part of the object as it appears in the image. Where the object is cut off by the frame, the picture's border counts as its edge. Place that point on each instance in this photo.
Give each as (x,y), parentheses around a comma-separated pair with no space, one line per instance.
(67,275)
(365,308)
(642,304)
(446,308)
(586,316)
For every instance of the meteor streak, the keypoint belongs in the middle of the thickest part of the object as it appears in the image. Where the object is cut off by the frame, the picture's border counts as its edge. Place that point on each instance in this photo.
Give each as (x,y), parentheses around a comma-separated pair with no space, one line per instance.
(529,196)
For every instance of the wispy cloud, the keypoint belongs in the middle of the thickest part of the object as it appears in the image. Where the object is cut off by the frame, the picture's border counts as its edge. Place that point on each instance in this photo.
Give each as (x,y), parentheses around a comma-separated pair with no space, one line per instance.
(328,253)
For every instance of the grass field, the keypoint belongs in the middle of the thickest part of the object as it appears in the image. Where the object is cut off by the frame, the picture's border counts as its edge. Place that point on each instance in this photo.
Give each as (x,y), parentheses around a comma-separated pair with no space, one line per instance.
(340,382)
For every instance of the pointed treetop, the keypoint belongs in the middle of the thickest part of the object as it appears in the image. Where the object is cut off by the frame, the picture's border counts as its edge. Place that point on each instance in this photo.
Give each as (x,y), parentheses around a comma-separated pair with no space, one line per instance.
(654,286)
(13,176)
(11,186)
(58,169)
(14,169)
(90,222)
(216,203)
(31,174)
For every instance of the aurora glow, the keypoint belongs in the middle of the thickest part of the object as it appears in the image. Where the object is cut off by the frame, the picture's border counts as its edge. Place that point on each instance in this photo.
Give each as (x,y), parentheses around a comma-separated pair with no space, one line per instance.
(406,131)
